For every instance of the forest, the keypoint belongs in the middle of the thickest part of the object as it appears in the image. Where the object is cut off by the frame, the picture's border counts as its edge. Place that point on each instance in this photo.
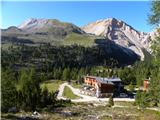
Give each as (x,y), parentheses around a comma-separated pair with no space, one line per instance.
(25,67)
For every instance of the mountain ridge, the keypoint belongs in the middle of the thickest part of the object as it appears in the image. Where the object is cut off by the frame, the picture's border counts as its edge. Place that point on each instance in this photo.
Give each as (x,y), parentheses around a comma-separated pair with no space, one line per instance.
(34,25)
(121,33)
(54,31)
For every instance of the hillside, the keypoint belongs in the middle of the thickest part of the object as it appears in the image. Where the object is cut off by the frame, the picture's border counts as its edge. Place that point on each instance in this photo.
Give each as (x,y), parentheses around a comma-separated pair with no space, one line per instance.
(124,38)
(121,33)
(41,31)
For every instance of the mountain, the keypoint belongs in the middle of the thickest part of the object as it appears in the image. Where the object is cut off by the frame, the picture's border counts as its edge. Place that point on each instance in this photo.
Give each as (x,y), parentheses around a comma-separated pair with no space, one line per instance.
(42,31)
(121,33)
(149,38)
(48,26)
(115,35)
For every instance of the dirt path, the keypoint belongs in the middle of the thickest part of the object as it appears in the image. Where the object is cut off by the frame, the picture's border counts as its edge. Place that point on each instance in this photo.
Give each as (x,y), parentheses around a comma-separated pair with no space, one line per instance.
(85,98)
(60,93)
(156,109)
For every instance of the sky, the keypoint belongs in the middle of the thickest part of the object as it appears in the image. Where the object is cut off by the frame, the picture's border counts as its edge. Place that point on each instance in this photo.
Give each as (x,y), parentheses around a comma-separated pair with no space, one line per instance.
(134,13)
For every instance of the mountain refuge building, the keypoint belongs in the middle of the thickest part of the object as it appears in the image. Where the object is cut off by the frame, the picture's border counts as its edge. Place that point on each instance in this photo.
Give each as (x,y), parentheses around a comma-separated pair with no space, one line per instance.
(104,86)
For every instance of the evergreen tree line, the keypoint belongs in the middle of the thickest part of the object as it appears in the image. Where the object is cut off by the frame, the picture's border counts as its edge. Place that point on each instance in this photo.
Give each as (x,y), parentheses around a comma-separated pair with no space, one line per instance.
(46,57)
(152,96)
(24,93)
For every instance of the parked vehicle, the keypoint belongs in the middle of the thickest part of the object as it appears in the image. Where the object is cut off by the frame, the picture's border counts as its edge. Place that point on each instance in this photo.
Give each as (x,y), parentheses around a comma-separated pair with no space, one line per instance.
(123,95)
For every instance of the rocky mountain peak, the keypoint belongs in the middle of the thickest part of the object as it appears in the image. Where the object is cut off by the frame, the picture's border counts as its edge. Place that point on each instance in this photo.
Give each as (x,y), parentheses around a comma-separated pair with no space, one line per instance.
(34,25)
(100,27)
(113,22)
(119,32)
(31,21)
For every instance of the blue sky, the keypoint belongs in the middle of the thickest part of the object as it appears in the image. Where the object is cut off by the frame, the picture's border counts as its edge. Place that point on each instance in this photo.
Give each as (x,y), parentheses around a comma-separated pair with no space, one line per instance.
(80,13)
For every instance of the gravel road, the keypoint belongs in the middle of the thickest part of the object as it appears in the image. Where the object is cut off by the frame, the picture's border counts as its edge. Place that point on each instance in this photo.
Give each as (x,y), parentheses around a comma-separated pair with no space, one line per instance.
(86,98)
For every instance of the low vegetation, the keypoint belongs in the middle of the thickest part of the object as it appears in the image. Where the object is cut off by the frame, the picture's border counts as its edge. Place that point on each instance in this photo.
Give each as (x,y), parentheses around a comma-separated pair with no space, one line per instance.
(67,93)
(51,85)
(82,40)
(87,111)
(121,103)
(110,101)
(76,84)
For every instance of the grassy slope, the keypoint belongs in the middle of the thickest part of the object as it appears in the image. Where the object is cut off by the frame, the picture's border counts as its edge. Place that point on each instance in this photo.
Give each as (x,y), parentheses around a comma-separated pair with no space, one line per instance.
(76,85)
(69,94)
(83,40)
(70,39)
(52,86)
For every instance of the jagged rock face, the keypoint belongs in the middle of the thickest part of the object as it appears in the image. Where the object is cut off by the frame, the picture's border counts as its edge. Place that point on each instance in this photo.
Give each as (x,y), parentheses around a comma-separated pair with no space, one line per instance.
(32,22)
(121,33)
(149,38)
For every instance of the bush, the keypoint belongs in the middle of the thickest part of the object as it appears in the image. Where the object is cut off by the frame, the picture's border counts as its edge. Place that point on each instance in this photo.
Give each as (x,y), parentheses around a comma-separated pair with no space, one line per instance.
(141,99)
(110,101)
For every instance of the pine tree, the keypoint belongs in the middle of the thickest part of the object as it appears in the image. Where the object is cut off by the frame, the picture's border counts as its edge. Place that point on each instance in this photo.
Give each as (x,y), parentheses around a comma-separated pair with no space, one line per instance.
(154,90)
(8,91)
(30,89)
(66,74)
(44,97)
(142,99)
(154,87)
(154,17)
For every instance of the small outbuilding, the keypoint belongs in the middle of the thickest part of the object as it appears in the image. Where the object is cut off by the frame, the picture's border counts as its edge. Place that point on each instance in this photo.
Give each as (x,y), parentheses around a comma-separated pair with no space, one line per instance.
(146,83)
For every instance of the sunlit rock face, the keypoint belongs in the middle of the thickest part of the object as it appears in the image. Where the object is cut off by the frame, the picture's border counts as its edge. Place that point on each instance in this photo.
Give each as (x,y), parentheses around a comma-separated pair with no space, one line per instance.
(122,34)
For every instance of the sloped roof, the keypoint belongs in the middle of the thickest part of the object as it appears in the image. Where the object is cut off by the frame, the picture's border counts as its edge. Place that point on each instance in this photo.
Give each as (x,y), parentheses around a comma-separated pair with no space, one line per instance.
(106,80)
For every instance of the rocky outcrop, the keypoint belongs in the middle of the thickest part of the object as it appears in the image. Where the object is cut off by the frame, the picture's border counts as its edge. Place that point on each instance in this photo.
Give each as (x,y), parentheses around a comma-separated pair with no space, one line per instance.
(121,33)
